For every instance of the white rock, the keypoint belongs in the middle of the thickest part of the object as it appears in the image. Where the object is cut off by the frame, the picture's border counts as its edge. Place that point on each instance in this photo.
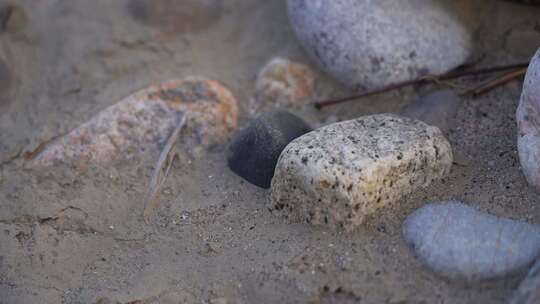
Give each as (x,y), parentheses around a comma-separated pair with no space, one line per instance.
(342,173)
(528,119)
(370,44)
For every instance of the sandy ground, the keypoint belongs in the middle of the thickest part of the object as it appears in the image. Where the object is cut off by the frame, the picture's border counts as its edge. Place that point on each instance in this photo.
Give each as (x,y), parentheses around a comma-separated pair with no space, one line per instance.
(78,237)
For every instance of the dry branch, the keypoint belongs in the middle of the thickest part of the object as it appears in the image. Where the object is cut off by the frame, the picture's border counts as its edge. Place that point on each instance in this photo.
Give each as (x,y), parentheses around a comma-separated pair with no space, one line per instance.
(422,80)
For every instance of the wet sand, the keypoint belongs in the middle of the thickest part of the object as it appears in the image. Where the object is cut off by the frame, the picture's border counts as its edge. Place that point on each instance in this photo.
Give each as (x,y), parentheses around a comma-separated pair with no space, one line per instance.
(78,237)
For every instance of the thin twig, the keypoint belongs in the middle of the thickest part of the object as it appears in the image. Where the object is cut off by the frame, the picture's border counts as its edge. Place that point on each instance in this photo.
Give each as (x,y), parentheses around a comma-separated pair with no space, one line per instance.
(422,80)
(29,155)
(159,176)
(447,83)
(11,159)
(494,83)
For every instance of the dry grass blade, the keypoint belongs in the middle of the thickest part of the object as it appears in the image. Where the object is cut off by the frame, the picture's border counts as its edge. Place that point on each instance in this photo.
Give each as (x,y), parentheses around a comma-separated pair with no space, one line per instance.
(495,83)
(445,83)
(161,170)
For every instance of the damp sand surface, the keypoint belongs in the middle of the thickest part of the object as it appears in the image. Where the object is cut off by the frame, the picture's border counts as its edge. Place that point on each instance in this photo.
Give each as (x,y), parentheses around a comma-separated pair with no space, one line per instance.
(78,237)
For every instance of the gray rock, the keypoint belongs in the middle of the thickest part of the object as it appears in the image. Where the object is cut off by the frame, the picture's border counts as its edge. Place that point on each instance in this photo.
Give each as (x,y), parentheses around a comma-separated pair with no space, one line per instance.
(254,152)
(369,44)
(459,242)
(528,291)
(437,109)
(344,172)
(528,119)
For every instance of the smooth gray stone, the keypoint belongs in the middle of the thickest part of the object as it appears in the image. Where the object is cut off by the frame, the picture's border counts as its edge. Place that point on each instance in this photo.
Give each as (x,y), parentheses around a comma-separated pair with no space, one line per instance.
(368,44)
(436,109)
(528,119)
(528,291)
(459,242)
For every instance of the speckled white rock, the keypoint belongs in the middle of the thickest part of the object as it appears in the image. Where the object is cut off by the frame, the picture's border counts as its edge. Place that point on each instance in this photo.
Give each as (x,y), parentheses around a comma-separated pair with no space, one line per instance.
(461,243)
(144,120)
(344,172)
(367,44)
(528,119)
(283,83)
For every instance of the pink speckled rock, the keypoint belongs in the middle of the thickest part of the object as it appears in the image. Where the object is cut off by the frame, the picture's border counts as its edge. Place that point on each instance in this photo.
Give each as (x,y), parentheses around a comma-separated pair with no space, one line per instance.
(144,120)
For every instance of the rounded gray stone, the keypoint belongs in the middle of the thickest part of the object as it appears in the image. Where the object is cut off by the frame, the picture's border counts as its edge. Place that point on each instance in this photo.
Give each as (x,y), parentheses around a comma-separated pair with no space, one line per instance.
(461,243)
(368,44)
(528,119)
(528,291)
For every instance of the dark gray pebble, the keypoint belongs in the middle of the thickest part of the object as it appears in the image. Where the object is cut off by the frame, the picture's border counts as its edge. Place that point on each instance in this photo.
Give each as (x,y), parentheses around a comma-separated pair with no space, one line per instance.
(255,150)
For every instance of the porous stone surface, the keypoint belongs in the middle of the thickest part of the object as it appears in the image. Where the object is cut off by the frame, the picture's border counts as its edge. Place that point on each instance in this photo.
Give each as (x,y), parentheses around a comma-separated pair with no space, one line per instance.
(438,109)
(283,83)
(369,44)
(144,120)
(344,172)
(528,119)
(528,291)
(255,150)
(461,243)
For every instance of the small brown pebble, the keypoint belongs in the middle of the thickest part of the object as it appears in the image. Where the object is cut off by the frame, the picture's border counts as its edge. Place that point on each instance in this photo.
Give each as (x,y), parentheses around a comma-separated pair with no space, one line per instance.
(283,83)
